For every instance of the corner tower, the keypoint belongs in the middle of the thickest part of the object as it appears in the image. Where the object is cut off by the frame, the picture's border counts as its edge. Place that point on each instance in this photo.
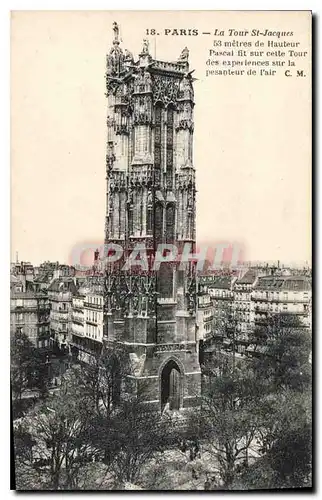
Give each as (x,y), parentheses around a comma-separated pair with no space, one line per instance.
(151,314)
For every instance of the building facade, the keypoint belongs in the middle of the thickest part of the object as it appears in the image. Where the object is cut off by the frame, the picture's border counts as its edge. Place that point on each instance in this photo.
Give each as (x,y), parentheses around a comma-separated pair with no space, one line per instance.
(29,312)
(87,321)
(25,272)
(287,295)
(60,294)
(240,305)
(151,314)
(243,308)
(205,314)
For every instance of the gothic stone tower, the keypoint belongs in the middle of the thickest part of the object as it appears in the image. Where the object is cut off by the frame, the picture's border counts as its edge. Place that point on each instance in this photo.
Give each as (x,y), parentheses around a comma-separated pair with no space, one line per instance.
(151,314)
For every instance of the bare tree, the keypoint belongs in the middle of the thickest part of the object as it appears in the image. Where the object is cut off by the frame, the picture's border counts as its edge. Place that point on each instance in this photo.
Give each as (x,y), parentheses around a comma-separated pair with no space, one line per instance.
(101,379)
(227,421)
(28,369)
(21,364)
(60,428)
(138,434)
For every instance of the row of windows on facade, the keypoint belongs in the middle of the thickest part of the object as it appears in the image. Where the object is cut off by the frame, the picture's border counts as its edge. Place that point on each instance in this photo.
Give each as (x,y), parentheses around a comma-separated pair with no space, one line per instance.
(286,307)
(260,294)
(33,331)
(30,303)
(222,293)
(95,300)
(59,326)
(243,317)
(61,306)
(136,221)
(242,296)
(92,299)
(26,318)
(78,315)
(204,300)
(93,316)
(43,343)
(276,294)
(94,331)
(207,327)
(60,296)
(240,306)
(29,319)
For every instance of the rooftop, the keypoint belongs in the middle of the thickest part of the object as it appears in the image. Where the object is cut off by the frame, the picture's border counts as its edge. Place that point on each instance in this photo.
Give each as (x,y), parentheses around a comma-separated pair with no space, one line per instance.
(248,278)
(63,285)
(223,282)
(292,283)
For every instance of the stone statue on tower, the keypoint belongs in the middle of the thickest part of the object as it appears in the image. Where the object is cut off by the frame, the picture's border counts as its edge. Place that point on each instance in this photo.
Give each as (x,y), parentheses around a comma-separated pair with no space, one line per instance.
(116,32)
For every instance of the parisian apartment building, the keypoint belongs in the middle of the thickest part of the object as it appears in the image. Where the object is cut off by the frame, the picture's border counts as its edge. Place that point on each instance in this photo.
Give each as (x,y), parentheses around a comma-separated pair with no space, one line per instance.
(248,301)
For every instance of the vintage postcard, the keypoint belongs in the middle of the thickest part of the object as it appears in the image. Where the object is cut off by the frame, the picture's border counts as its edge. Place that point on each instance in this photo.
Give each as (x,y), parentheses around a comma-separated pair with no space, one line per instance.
(161,285)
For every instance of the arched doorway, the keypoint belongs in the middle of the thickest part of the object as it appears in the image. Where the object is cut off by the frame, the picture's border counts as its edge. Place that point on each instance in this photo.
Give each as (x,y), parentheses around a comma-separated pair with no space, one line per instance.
(171,386)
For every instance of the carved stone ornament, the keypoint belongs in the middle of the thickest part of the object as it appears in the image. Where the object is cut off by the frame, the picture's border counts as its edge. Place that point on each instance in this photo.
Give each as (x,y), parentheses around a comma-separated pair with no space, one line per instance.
(143,82)
(136,363)
(185,125)
(110,122)
(111,85)
(165,89)
(185,89)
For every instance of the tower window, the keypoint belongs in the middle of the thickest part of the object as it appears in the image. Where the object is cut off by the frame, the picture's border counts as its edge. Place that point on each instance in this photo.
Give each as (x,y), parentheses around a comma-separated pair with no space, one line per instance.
(158,222)
(141,215)
(170,222)
(190,226)
(169,170)
(157,142)
(130,216)
(149,217)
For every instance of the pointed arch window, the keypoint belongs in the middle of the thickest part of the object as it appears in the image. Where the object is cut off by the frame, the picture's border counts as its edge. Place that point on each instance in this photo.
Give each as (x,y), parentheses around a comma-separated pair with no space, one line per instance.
(190,215)
(170,222)
(141,213)
(111,222)
(190,148)
(158,141)
(190,225)
(116,214)
(158,222)
(130,216)
(149,216)
(169,166)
